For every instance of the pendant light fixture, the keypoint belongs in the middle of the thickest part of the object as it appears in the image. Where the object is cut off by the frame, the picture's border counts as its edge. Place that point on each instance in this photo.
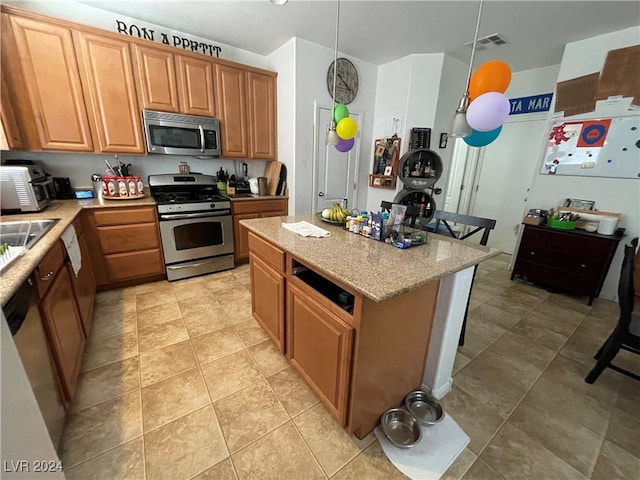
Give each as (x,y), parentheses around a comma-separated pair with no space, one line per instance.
(459,125)
(332,136)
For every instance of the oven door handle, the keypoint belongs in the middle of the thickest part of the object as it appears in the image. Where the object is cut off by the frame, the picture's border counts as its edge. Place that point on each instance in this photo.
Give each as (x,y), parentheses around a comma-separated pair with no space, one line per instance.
(201,138)
(179,216)
(178,267)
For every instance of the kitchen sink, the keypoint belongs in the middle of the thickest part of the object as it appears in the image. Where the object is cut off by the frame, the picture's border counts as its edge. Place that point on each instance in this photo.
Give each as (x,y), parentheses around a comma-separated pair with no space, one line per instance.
(25,233)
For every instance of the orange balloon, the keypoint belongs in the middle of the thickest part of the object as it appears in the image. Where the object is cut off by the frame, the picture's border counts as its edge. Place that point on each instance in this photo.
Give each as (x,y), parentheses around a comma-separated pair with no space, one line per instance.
(492,76)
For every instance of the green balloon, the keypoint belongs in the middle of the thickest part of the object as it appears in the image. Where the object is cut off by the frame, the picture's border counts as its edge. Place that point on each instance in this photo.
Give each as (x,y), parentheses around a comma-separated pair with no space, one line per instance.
(340,111)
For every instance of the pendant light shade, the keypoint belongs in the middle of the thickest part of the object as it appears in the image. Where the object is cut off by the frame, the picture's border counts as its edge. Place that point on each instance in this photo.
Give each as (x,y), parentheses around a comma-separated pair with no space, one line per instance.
(332,136)
(459,125)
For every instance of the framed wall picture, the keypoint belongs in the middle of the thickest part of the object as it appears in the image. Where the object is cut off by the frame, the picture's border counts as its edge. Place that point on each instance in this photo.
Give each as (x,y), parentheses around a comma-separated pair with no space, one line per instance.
(577,203)
(388,170)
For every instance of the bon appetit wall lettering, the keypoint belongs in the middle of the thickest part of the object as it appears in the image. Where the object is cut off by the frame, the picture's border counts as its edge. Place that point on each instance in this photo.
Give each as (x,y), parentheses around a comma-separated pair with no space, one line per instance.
(133,30)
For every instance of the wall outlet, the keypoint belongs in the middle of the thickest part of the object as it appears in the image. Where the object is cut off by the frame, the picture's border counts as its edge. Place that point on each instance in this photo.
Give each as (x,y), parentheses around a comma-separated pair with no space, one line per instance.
(588,164)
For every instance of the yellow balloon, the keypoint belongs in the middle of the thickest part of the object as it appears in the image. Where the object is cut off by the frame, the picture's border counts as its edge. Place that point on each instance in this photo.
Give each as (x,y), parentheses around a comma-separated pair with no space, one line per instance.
(347,128)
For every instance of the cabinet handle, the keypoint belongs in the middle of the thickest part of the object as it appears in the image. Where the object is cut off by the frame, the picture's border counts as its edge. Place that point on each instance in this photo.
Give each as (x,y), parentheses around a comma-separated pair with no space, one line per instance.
(46,277)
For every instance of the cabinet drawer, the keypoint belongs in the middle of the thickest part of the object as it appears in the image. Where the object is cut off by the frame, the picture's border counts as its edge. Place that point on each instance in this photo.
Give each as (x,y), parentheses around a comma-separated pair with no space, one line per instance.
(589,265)
(124,216)
(565,242)
(48,268)
(128,238)
(267,252)
(259,206)
(124,266)
(566,280)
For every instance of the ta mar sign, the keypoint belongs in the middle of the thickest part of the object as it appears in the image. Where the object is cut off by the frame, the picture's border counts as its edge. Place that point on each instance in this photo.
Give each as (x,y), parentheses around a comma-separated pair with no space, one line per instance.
(168,39)
(533,104)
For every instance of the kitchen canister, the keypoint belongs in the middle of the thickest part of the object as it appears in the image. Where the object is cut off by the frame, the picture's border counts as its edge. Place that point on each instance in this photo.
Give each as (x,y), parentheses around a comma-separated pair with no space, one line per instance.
(607,225)
(262,186)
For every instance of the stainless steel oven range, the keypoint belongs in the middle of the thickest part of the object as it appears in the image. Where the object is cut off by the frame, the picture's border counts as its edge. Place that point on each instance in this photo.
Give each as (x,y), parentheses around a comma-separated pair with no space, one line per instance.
(195,224)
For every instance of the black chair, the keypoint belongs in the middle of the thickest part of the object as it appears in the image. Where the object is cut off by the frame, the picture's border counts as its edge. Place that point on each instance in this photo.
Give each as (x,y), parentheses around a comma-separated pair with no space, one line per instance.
(484,225)
(626,334)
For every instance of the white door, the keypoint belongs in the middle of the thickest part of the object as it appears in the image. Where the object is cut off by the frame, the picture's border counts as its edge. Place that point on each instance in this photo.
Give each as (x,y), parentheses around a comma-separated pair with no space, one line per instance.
(506,170)
(334,172)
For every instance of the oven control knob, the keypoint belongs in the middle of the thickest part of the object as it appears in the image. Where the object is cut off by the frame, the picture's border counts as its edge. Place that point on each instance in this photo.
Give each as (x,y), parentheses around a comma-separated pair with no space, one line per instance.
(213,205)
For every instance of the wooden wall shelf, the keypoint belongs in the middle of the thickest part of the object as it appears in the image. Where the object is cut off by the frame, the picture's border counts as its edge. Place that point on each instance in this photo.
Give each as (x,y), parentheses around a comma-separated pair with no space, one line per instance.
(382,181)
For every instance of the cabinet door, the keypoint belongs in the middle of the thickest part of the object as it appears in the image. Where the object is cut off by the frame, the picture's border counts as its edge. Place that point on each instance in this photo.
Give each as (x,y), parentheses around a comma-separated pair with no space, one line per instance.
(241,236)
(107,78)
(319,346)
(63,323)
(50,76)
(195,85)
(261,99)
(156,78)
(231,101)
(84,286)
(11,138)
(267,299)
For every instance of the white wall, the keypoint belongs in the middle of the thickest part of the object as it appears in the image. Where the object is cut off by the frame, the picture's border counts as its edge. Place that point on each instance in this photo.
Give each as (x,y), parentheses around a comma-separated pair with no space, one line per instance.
(610,194)
(311,65)
(282,61)
(96,17)
(409,89)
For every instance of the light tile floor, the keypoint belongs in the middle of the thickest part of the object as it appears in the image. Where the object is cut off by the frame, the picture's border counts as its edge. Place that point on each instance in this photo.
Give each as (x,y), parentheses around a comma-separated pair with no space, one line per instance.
(178,382)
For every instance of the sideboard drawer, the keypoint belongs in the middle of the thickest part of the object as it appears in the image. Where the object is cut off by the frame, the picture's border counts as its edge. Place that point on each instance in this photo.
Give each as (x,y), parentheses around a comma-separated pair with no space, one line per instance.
(565,241)
(555,277)
(582,264)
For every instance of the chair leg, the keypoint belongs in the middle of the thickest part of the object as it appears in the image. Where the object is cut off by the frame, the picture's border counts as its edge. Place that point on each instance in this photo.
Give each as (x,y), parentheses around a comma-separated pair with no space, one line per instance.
(606,342)
(611,349)
(464,328)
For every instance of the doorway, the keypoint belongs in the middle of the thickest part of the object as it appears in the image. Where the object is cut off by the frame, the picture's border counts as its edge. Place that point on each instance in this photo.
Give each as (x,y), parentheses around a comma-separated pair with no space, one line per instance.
(498,178)
(334,173)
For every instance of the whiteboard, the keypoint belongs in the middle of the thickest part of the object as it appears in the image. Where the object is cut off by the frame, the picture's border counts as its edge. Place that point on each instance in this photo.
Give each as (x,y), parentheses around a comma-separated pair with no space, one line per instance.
(599,147)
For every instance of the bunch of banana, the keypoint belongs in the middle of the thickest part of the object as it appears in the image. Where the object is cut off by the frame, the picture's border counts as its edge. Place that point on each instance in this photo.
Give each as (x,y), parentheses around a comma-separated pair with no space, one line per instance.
(336,213)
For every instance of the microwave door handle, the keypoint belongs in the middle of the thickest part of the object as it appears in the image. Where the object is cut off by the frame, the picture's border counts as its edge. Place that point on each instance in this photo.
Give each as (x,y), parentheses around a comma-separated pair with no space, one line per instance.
(201,138)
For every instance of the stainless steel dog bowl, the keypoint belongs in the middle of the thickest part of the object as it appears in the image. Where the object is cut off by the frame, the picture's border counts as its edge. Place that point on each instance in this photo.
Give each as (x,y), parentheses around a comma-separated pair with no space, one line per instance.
(401,428)
(424,407)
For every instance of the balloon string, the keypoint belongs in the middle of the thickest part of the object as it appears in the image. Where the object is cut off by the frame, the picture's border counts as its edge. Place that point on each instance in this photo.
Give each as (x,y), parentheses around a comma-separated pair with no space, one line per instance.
(473,48)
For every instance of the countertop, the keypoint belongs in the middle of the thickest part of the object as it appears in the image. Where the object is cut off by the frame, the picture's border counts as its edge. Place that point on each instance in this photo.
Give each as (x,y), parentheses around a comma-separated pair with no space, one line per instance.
(66,210)
(375,269)
(253,196)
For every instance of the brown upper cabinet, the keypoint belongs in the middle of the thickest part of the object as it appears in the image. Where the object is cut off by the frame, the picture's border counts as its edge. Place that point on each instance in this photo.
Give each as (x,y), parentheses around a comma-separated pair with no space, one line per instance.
(231,93)
(247,112)
(195,85)
(261,102)
(173,83)
(156,77)
(107,77)
(78,88)
(48,93)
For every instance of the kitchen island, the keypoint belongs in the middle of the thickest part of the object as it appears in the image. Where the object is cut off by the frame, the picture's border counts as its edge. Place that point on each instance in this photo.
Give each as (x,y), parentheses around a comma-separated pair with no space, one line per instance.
(361,321)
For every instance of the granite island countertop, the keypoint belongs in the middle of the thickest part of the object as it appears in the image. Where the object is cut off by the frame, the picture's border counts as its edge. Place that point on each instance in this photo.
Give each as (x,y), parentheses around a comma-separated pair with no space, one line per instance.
(375,269)
(65,210)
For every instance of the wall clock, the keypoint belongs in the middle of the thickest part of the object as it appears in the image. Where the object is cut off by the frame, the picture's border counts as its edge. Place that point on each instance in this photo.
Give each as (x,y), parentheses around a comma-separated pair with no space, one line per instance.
(346,81)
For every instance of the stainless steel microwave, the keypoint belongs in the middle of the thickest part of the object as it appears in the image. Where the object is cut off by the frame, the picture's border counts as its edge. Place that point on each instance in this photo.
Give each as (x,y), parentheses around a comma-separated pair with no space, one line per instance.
(176,134)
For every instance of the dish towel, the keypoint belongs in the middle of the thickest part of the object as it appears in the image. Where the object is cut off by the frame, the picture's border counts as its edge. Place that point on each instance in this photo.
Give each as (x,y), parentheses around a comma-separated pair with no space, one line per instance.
(70,241)
(306,229)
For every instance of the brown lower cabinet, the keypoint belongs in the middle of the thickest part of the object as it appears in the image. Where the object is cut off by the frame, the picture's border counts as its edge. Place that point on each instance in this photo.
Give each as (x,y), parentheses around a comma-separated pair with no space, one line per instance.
(84,285)
(319,347)
(61,318)
(248,209)
(124,245)
(359,361)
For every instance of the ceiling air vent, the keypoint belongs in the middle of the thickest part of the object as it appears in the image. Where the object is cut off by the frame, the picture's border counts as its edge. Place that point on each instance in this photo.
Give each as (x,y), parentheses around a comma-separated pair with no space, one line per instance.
(489,41)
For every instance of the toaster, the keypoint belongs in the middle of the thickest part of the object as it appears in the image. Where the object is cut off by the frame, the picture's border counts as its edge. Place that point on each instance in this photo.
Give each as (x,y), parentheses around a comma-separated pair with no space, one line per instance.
(24,189)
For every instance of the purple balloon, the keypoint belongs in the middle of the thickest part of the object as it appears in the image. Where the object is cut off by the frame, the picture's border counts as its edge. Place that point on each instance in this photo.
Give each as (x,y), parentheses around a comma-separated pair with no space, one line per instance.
(345,145)
(488,111)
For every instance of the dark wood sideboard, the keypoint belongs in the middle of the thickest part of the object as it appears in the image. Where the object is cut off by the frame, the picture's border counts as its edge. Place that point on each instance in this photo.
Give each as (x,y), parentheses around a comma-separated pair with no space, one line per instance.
(571,260)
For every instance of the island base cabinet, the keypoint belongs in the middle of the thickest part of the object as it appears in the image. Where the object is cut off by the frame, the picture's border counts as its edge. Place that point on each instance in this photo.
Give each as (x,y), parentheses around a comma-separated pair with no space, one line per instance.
(267,301)
(63,324)
(319,347)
